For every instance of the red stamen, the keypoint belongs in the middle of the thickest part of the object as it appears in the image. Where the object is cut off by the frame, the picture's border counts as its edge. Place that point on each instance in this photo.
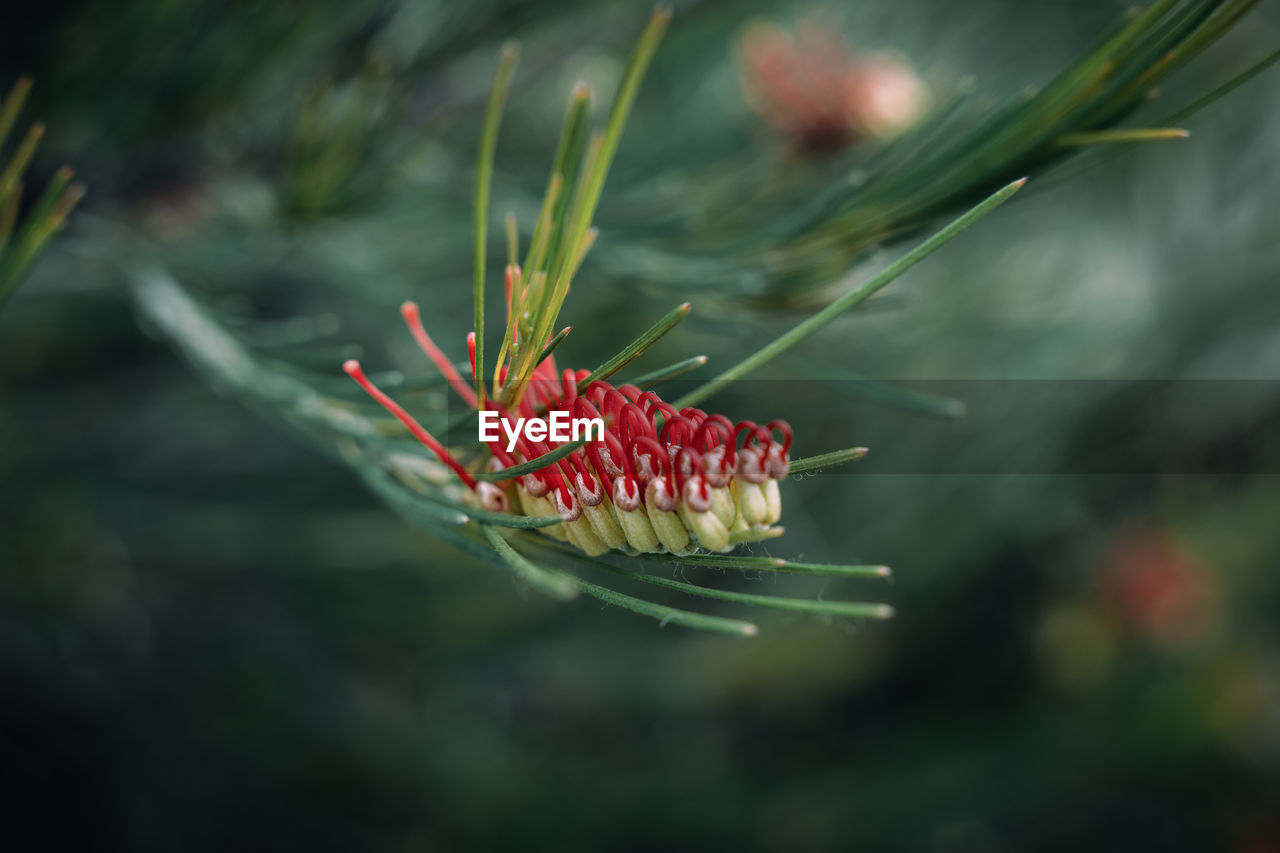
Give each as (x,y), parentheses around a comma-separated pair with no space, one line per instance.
(702,439)
(631,392)
(632,424)
(755,433)
(413,319)
(678,430)
(352,368)
(471,354)
(512,273)
(569,385)
(784,428)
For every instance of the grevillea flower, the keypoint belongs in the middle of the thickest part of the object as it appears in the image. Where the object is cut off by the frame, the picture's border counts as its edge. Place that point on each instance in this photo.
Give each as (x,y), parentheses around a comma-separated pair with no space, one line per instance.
(665,476)
(660,479)
(811,88)
(652,477)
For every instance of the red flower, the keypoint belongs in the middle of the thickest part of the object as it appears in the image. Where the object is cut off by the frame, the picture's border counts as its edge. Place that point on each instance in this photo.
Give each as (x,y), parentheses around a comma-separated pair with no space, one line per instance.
(658,480)
(1159,588)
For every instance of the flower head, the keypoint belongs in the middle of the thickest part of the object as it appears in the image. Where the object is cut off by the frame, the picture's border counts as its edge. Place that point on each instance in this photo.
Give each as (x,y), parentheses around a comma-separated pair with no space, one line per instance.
(658,479)
(812,89)
(656,476)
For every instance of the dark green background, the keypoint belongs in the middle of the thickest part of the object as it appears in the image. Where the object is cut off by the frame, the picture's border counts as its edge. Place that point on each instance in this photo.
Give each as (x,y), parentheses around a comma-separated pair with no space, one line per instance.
(212,638)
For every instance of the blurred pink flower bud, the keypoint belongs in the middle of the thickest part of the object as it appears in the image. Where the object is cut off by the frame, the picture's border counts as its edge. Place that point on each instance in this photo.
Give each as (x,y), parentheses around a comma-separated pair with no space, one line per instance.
(812,89)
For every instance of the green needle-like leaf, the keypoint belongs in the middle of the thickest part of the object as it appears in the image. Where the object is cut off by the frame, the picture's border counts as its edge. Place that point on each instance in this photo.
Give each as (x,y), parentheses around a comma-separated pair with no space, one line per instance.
(1221,91)
(1096,137)
(553,583)
(850,609)
(770,564)
(45,218)
(661,612)
(577,235)
(12,105)
(9,215)
(636,348)
(496,519)
(671,371)
(573,141)
(827,460)
(537,464)
(484,177)
(792,567)
(553,343)
(405,501)
(668,615)
(851,299)
(20,159)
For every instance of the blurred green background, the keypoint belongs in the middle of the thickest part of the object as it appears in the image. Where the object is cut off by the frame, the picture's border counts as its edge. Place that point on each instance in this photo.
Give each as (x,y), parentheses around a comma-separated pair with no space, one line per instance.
(212,637)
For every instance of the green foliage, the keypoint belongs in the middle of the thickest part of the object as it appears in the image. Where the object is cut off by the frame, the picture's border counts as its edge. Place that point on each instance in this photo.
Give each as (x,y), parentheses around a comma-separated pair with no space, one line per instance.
(334,160)
(22,241)
(1075,110)
(956,156)
(217,636)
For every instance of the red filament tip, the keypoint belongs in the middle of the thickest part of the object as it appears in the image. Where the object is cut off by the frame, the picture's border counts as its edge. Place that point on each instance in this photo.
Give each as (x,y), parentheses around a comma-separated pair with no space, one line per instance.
(413,319)
(352,368)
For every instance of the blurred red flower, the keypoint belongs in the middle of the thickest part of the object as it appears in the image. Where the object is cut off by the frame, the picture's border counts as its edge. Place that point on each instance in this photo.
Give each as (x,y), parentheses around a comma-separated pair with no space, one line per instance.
(811,88)
(1158,588)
